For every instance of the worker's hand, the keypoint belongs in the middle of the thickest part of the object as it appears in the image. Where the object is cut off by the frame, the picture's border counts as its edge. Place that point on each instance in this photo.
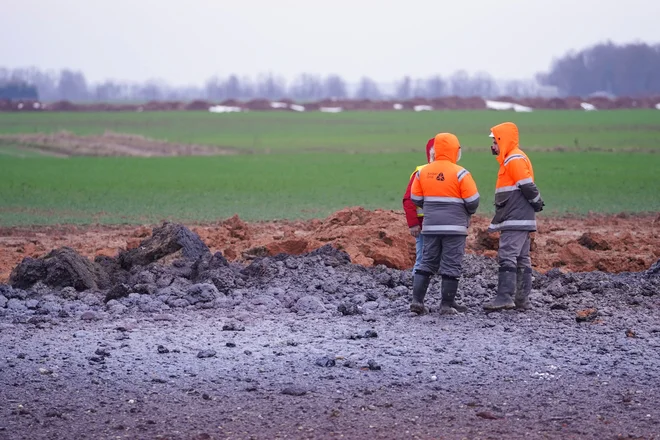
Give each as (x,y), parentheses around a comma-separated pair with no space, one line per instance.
(538,206)
(415,231)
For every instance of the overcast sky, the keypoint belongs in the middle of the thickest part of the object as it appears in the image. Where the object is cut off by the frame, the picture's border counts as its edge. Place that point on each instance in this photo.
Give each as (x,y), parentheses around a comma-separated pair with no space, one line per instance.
(187,41)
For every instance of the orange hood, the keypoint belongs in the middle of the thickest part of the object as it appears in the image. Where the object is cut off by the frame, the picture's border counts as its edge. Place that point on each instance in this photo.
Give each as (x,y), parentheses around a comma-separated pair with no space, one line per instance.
(446,146)
(506,135)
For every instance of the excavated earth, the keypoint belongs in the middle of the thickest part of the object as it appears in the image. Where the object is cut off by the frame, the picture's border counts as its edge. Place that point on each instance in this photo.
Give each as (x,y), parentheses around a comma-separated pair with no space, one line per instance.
(302,330)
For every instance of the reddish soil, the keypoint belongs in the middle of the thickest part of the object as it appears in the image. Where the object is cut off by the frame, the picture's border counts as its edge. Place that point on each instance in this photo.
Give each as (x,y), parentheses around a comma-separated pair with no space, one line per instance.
(613,244)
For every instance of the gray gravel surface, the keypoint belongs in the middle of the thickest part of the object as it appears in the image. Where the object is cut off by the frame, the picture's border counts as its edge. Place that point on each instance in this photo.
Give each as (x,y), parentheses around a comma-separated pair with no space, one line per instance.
(313,346)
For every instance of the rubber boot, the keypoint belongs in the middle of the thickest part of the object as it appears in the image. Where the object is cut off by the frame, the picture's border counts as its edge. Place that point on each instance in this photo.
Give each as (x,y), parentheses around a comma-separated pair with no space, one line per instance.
(420,285)
(523,288)
(449,306)
(506,288)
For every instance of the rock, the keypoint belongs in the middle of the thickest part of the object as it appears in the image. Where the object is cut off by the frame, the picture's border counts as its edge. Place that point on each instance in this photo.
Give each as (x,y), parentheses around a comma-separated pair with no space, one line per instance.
(586,315)
(166,240)
(163,350)
(117,291)
(325,361)
(90,316)
(115,307)
(294,390)
(164,317)
(60,268)
(16,305)
(349,309)
(69,293)
(372,365)
(202,293)
(233,326)
(594,241)
(206,354)
(3,301)
(309,304)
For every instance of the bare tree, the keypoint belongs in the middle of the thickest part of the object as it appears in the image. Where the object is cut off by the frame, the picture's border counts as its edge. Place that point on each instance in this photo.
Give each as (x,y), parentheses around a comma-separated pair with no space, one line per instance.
(72,86)
(270,87)
(306,87)
(367,89)
(335,87)
(460,83)
(436,87)
(404,88)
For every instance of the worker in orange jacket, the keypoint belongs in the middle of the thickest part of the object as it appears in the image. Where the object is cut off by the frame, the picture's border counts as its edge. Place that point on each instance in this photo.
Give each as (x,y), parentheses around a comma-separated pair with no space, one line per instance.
(517,200)
(448,196)
(415,214)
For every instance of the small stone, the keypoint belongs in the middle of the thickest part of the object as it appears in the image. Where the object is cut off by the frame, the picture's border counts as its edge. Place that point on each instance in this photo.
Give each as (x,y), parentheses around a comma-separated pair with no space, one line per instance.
(162,350)
(206,354)
(294,391)
(230,344)
(373,365)
(325,361)
(90,316)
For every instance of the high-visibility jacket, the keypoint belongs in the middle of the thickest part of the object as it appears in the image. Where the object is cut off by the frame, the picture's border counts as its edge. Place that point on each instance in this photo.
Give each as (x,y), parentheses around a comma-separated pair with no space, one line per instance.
(414,214)
(515,189)
(446,191)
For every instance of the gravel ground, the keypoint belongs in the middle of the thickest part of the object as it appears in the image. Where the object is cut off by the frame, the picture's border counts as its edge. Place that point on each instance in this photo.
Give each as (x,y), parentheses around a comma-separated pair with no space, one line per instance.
(313,346)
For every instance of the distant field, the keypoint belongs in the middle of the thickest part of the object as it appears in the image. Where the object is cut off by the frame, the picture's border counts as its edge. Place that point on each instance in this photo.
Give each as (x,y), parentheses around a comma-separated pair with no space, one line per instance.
(292,186)
(325,162)
(355,131)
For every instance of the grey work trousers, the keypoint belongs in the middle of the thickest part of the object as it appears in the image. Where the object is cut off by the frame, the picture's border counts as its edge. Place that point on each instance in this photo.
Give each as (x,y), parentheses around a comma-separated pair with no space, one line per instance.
(514,250)
(443,253)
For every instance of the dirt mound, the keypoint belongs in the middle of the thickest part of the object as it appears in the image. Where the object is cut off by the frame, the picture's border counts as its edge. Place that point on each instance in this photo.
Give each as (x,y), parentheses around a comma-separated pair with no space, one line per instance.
(369,237)
(65,144)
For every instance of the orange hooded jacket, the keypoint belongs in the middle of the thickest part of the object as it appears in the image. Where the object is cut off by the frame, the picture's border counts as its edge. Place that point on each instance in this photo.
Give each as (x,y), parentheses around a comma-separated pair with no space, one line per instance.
(446,191)
(516,196)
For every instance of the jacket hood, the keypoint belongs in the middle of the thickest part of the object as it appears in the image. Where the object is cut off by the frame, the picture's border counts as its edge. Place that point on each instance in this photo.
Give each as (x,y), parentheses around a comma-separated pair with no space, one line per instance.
(446,147)
(429,145)
(506,135)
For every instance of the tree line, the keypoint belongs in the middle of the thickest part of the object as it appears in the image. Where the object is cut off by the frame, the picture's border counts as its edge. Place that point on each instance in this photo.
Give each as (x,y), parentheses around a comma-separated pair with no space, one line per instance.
(630,70)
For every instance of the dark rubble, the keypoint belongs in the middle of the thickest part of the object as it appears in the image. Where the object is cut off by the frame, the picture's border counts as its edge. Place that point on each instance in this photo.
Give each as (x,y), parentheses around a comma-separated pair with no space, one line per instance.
(111,348)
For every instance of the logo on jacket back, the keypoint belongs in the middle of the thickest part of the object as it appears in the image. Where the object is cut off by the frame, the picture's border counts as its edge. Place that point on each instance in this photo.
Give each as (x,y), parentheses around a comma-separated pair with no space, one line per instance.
(440,177)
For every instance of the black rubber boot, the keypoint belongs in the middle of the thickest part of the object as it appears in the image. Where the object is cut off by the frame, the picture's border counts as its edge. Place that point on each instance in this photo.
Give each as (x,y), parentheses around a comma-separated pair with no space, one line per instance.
(420,285)
(523,288)
(449,306)
(506,288)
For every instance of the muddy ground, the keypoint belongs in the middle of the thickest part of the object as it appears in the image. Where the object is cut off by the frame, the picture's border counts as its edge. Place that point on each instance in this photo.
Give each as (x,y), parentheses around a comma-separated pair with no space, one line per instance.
(615,243)
(164,341)
(66,144)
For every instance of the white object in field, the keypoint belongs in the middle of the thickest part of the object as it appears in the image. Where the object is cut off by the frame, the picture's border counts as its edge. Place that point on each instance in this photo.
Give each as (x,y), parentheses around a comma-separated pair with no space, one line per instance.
(20,105)
(331,109)
(587,107)
(36,105)
(422,108)
(279,105)
(657,106)
(297,107)
(224,109)
(398,106)
(501,105)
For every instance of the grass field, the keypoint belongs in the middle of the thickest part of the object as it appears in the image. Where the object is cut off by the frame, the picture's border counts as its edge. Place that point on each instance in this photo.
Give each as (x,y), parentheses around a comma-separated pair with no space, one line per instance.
(46,190)
(356,131)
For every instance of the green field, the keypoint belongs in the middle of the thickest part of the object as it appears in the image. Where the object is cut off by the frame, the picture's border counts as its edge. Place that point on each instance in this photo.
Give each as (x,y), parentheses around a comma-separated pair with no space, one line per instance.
(356,131)
(351,159)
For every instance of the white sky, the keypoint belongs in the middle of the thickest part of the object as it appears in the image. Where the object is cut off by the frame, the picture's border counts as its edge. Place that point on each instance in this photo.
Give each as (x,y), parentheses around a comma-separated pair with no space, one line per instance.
(188,41)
